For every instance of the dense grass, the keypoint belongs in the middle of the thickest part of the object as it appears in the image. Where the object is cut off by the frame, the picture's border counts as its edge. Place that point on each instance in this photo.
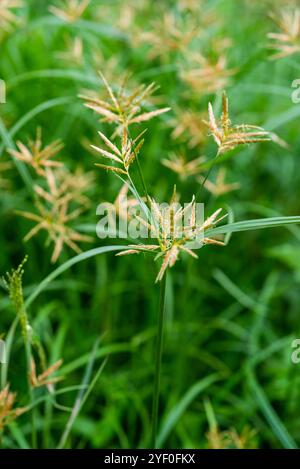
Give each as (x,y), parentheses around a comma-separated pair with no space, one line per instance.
(231,316)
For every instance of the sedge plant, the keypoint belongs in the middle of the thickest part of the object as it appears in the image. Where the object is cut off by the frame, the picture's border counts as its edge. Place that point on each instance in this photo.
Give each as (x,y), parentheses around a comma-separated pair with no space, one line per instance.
(122,150)
(171,40)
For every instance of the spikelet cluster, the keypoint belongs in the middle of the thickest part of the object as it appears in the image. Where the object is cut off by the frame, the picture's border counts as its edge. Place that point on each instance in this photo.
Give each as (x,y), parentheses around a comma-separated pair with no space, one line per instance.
(123,156)
(8,411)
(287,40)
(219,186)
(54,215)
(121,107)
(184,168)
(228,136)
(188,126)
(206,75)
(45,378)
(168,34)
(36,155)
(60,197)
(173,234)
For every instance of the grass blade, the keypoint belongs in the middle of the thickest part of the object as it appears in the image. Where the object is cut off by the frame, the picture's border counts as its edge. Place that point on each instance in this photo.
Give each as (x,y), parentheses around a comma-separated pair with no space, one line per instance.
(82,397)
(62,268)
(177,411)
(249,225)
(272,418)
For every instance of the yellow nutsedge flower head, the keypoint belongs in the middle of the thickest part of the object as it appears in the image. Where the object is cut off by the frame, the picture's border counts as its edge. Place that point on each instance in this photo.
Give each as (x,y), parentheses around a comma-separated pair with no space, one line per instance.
(123,108)
(287,40)
(169,33)
(229,439)
(45,378)
(207,76)
(69,186)
(174,235)
(219,187)
(124,156)
(70,10)
(73,52)
(189,126)
(228,136)
(184,168)
(54,215)
(8,412)
(37,156)
(122,205)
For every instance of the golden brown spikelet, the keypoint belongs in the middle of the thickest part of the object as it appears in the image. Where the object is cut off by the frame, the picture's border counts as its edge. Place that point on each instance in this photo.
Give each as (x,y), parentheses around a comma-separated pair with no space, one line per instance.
(73,52)
(122,205)
(228,136)
(219,187)
(181,166)
(168,34)
(231,439)
(207,75)
(36,155)
(53,215)
(123,156)
(287,40)
(8,412)
(173,234)
(122,107)
(45,378)
(189,127)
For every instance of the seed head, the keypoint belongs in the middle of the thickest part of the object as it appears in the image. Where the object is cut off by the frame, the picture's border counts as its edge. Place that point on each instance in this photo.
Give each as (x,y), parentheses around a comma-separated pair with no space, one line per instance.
(176,230)
(121,107)
(287,40)
(189,127)
(207,76)
(123,156)
(73,52)
(8,412)
(53,215)
(45,378)
(179,164)
(122,205)
(228,136)
(169,34)
(219,187)
(36,155)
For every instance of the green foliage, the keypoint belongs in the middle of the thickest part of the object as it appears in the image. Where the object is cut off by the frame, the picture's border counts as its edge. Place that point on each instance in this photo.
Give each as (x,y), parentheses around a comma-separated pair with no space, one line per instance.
(231,315)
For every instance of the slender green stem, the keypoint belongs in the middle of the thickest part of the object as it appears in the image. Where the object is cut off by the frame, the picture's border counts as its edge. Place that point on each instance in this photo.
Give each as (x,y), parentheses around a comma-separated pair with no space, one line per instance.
(207,174)
(158,357)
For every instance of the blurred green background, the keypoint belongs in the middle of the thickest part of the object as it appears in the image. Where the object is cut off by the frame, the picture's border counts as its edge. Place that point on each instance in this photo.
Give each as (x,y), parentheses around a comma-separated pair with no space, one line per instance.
(231,316)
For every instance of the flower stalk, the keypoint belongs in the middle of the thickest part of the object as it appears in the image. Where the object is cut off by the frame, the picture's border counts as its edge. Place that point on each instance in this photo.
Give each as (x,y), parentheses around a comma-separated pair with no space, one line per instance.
(158,360)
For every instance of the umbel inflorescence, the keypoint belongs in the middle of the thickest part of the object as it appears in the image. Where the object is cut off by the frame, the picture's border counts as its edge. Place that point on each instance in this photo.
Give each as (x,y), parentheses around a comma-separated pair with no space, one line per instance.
(124,110)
